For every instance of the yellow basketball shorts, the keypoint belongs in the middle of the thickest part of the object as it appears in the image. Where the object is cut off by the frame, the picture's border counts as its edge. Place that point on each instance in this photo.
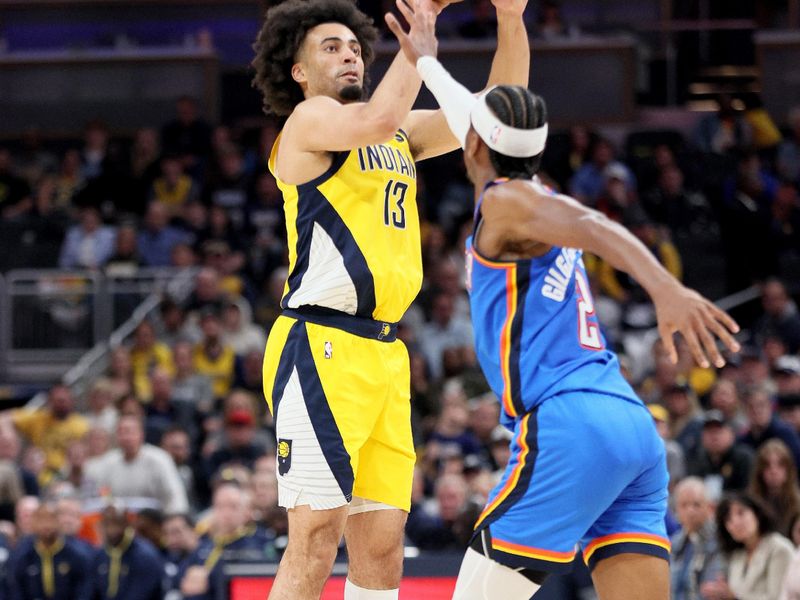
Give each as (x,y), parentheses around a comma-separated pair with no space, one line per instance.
(341,405)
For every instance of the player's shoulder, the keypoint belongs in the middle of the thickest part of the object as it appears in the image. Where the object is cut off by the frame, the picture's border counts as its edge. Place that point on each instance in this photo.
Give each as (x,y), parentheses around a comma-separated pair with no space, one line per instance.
(510,195)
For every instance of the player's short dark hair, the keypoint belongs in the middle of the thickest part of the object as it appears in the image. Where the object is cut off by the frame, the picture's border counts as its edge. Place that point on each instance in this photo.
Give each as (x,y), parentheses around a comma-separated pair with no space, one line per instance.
(283,33)
(518,107)
(765,518)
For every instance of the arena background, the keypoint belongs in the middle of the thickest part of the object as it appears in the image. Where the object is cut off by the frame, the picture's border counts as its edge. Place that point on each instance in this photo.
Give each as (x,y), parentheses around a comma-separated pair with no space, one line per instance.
(142,255)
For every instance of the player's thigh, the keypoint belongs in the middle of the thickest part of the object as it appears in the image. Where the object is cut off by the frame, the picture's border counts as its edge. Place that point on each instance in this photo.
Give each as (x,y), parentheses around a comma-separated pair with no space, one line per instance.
(632,577)
(386,460)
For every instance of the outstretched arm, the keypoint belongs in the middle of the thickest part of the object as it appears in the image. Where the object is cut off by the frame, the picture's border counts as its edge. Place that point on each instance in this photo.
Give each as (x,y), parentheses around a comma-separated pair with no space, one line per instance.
(518,212)
(427,129)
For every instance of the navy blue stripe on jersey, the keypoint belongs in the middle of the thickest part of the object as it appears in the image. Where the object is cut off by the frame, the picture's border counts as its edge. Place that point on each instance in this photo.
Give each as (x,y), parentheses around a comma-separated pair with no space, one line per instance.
(627,548)
(285,368)
(525,476)
(514,359)
(328,436)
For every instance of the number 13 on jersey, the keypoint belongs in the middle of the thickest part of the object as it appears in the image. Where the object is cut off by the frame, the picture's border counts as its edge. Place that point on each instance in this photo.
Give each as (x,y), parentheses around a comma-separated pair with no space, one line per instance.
(394,215)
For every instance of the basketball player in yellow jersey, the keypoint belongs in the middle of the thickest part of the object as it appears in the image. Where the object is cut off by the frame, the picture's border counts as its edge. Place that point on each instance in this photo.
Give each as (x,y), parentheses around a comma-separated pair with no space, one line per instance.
(336,380)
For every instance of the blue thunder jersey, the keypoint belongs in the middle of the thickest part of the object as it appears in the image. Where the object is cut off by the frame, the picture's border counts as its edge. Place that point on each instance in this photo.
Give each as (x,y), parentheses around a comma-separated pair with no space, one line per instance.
(536,331)
(353,233)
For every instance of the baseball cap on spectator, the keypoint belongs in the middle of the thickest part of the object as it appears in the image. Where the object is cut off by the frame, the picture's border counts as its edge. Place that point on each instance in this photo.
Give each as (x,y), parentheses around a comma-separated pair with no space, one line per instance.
(787,365)
(500,435)
(714,417)
(239,417)
(658,412)
(616,171)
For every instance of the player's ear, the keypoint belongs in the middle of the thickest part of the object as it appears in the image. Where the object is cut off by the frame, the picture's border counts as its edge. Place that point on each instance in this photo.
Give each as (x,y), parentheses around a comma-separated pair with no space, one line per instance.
(472,143)
(298,73)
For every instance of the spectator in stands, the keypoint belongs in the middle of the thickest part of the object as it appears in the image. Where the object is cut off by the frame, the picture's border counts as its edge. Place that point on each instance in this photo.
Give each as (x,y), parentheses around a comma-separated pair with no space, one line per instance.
(177,444)
(148,523)
(550,24)
(723,132)
(670,203)
(231,538)
(765,424)
(589,180)
(139,470)
(147,353)
(484,414)
(10,489)
(787,375)
(101,411)
(230,188)
(173,189)
(721,461)
(34,160)
(789,410)
(725,398)
(89,244)
(211,357)
(758,558)
(780,317)
(695,557)
(439,525)
(95,155)
(188,385)
(790,589)
(481,23)
(125,260)
(265,225)
(50,566)
(98,442)
(15,192)
(127,567)
(120,372)
(73,471)
(774,483)
(175,327)
(788,158)
(164,411)
(264,504)
(25,515)
(238,330)
(188,136)
(158,238)
(239,445)
(69,179)
(444,331)
(69,516)
(222,250)
(52,427)
(685,417)
(10,451)
(144,165)
(180,541)
(676,461)
(207,291)
(785,221)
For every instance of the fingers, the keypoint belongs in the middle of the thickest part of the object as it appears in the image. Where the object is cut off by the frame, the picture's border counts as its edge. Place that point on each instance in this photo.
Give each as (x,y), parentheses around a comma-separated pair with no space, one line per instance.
(713,323)
(405,9)
(725,318)
(709,344)
(669,344)
(394,26)
(693,342)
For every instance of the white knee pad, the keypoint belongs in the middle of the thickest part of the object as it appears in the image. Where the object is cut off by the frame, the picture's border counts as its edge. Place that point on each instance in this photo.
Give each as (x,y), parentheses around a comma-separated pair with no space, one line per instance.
(353,592)
(481,578)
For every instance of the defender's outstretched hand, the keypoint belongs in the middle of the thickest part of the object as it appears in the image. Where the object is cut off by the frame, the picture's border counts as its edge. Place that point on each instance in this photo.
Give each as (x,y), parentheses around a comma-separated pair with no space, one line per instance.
(680,309)
(421,37)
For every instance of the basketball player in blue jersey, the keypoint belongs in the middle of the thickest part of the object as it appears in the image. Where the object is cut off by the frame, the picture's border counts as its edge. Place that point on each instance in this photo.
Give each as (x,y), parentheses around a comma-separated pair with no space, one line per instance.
(335,378)
(587,466)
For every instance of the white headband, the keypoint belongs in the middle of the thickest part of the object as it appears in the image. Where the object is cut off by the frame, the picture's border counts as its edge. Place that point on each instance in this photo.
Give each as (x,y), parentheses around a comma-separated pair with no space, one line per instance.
(507,140)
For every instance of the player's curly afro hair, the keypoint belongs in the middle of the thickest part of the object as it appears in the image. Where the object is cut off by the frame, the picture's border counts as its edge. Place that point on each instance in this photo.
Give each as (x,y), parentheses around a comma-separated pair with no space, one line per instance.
(283,33)
(520,108)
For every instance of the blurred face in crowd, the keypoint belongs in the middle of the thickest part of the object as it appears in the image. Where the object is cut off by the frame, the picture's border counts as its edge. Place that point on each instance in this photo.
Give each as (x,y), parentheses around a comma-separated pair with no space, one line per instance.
(113,524)
(45,524)
(759,409)
(678,403)
(145,336)
(229,510)
(9,444)
(156,217)
(211,327)
(754,371)
(24,513)
(791,415)
(774,298)
(68,512)
(264,491)
(121,362)
(787,383)
(176,444)
(717,439)
(77,453)
(90,219)
(443,307)
(691,505)
(182,354)
(179,537)
(186,111)
(774,472)
(484,418)
(207,285)
(98,442)
(725,398)
(451,494)
(161,384)
(130,436)
(742,523)
(61,403)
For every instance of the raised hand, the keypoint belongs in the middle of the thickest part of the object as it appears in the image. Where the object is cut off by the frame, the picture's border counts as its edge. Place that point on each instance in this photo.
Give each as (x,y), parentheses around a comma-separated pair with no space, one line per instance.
(421,37)
(440,5)
(680,309)
(511,7)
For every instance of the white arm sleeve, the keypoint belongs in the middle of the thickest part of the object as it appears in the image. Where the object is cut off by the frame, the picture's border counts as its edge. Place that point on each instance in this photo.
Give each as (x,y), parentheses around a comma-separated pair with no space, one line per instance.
(455,100)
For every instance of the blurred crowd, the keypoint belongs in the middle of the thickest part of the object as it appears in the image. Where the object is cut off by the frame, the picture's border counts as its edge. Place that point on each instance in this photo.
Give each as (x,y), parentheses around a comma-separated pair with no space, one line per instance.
(164,470)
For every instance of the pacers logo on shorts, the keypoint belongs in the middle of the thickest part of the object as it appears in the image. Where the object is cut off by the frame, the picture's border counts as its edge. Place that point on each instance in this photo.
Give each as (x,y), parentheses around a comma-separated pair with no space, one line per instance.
(386,329)
(284,456)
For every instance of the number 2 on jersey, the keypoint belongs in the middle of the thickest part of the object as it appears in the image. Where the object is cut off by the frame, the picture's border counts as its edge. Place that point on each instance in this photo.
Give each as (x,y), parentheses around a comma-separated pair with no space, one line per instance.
(588,333)
(393,212)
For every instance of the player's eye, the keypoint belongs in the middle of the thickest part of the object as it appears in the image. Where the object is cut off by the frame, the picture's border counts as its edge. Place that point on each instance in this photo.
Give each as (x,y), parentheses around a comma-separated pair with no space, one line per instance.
(330,48)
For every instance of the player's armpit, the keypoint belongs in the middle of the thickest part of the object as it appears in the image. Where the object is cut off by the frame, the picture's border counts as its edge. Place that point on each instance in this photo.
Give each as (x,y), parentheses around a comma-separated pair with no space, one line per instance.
(429,134)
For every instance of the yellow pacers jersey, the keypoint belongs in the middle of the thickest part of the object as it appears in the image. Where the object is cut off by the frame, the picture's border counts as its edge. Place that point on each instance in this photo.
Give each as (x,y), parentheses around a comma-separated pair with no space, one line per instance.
(354,233)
